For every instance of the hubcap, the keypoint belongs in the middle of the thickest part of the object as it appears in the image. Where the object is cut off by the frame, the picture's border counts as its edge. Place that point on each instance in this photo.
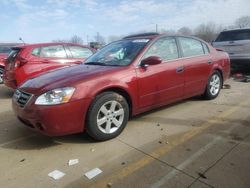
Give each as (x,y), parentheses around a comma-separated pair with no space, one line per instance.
(214,85)
(110,117)
(1,76)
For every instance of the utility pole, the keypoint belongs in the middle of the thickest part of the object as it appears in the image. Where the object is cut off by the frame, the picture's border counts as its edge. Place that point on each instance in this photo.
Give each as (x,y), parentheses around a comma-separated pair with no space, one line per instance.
(87,39)
(98,37)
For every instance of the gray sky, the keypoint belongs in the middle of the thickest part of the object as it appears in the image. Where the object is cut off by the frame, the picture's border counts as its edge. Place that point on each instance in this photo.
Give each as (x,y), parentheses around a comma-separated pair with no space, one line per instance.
(45,20)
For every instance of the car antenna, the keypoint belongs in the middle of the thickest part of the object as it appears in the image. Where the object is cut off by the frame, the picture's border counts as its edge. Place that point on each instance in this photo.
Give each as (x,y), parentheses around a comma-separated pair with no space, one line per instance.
(20,38)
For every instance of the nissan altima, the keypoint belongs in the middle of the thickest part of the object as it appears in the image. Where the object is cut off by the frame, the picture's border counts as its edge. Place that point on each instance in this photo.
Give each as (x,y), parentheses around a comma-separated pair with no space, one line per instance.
(127,77)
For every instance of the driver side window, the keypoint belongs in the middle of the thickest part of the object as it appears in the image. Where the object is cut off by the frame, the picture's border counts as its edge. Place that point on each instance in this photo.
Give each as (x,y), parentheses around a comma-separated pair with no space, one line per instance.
(165,48)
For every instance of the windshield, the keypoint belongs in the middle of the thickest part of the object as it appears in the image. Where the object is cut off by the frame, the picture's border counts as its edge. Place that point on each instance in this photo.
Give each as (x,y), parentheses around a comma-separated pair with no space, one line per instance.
(120,53)
(234,35)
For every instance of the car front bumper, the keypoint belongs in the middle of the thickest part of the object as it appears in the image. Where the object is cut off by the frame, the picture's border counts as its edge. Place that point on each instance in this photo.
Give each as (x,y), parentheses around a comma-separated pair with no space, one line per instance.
(53,120)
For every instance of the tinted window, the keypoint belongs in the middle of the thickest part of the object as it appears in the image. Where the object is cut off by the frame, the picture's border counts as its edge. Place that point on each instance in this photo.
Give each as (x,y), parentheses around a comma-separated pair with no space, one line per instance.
(234,35)
(80,52)
(165,48)
(191,47)
(36,51)
(53,51)
(5,49)
(205,48)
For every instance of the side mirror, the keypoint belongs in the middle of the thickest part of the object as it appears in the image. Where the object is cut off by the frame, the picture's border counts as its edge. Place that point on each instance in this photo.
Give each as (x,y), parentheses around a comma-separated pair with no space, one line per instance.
(151,60)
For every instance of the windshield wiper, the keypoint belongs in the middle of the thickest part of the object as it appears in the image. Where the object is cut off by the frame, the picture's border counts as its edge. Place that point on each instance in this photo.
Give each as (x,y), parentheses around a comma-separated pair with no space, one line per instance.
(95,63)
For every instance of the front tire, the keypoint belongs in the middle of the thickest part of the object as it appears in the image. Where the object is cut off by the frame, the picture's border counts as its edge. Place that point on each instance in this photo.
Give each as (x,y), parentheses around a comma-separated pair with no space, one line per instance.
(107,116)
(213,86)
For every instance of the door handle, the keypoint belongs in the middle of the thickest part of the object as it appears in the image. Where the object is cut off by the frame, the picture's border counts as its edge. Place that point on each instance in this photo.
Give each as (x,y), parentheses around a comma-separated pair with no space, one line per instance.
(179,69)
(209,62)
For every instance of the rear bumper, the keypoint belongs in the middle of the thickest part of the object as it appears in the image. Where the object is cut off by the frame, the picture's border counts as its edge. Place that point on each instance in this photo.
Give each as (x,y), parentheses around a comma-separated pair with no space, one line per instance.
(54,120)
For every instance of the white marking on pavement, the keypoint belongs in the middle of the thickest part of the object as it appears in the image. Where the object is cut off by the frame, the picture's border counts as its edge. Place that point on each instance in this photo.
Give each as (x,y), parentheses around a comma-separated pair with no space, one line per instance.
(183,165)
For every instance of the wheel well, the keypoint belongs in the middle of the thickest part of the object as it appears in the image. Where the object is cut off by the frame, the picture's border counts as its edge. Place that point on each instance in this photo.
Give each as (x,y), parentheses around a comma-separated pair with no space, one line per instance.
(124,94)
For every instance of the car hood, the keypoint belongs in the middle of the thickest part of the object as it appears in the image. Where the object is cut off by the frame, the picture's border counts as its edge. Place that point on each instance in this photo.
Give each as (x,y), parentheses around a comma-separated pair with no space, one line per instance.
(65,77)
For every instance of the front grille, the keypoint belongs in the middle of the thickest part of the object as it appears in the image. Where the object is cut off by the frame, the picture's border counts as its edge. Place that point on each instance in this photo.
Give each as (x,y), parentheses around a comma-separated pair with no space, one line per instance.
(21,98)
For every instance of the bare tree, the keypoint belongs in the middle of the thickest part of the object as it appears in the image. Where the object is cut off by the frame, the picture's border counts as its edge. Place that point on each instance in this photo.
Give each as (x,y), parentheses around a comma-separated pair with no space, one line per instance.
(59,40)
(207,32)
(74,39)
(114,38)
(185,31)
(243,22)
(100,39)
(168,32)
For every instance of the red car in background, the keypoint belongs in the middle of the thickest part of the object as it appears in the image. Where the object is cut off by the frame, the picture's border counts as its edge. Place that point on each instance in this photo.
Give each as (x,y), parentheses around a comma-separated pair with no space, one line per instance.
(124,78)
(28,61)
(5,49)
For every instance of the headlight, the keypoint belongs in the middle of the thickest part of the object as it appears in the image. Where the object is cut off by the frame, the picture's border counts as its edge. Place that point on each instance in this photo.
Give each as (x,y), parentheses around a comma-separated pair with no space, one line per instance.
(55,96)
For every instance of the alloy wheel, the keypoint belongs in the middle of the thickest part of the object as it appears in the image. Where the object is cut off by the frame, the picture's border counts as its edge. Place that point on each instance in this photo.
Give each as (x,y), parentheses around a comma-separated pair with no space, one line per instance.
(1,75)
(214,84)
(110,117)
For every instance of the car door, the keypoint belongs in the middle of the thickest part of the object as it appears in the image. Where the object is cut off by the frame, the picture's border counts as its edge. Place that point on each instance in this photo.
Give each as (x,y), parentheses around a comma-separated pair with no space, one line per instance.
(197,64)
(78,54)
(164,82)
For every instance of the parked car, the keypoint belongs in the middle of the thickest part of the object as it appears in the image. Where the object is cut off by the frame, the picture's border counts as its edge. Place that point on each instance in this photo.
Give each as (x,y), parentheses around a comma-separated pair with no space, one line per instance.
(237,44)
(124,78)
(5,49)
(28,61)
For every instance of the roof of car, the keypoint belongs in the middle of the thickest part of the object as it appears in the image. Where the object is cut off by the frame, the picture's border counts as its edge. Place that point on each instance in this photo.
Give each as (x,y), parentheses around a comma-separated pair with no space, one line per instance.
(158,35)
(238,29)
(139,35)
(51,43)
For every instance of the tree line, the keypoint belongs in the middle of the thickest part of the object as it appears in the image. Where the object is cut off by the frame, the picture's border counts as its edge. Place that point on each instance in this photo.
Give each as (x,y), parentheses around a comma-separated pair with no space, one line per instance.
(207,32)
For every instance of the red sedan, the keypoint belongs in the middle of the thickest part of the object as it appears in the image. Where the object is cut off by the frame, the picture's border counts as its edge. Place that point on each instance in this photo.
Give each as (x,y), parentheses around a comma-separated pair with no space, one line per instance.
(125,78)
(28,61)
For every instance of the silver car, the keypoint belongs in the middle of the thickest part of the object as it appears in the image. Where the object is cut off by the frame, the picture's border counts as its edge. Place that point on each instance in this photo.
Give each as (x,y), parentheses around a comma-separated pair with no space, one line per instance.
(237,44)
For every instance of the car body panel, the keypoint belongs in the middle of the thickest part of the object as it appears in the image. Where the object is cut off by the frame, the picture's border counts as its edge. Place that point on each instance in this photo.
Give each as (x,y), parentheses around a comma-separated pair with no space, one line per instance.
(144,87)
(14,75)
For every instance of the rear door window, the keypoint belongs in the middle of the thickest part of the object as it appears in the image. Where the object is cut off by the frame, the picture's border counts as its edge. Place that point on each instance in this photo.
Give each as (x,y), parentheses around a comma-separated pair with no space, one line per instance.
(234,35)
(191,47)
(165,48)
(36,51)
(80,52)
(53,52)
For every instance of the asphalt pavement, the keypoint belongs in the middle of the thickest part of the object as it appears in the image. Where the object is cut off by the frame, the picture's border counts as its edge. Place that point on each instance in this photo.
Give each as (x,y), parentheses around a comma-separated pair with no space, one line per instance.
(193,143)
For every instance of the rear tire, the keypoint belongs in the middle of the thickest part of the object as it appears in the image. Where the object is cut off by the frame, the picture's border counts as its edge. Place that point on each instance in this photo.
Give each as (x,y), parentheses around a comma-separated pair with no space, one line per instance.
(107,116)
(1,75)
(213,86)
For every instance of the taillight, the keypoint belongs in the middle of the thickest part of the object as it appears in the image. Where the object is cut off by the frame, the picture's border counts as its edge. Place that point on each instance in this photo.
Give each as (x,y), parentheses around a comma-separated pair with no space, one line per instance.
(20,62)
